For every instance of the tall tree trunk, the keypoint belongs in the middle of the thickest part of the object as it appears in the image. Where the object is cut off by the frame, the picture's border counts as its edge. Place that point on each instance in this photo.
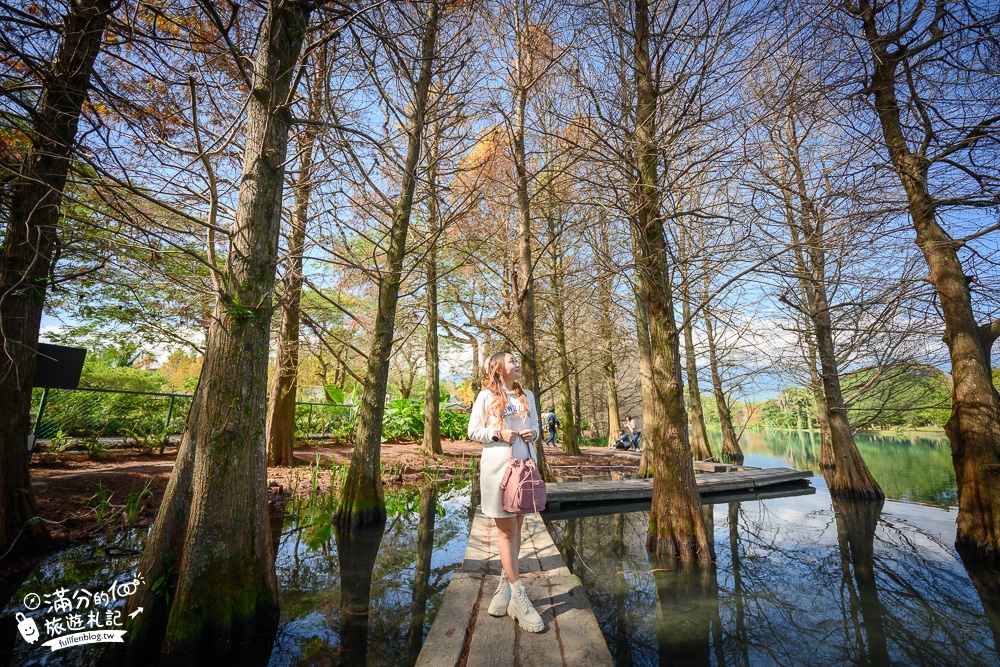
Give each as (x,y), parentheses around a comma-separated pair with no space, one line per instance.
(211,541)
(974,425)
(284,383)
(851,475)
(569,441)
(607,327)
(577,406)
(826,460)
(523,276)
(645,470)
(27,262)
(432,386)
(731,452)
(362,500)
(701,449)
(676,528)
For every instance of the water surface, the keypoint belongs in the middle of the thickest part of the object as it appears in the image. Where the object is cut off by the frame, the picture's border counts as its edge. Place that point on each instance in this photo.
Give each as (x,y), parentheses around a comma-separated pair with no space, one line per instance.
(801,580)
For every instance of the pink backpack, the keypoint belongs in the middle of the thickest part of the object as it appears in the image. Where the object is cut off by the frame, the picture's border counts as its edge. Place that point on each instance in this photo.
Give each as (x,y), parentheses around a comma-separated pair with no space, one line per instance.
(522,487)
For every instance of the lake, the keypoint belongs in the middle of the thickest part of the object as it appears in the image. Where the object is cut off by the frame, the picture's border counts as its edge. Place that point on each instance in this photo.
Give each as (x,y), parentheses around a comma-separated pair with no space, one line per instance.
(799,580)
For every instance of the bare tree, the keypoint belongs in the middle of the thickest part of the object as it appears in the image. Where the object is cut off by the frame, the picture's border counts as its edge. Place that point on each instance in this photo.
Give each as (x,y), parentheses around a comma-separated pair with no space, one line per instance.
(913,48)
(676,526)
(361,498)
(29,251)
(211,541)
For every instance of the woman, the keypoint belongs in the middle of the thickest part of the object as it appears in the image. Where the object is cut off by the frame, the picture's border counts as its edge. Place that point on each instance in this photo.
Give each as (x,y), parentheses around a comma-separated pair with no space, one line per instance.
(632,433)
(503,419)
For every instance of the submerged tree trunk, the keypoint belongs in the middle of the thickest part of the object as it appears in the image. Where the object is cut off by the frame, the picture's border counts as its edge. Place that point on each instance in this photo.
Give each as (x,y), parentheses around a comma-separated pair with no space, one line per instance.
(284,383)
(701,450)
(27,260)
(432,386)
(361,498)
(974,425)
(850,476)
(731,452)
(211,542)
(676,528)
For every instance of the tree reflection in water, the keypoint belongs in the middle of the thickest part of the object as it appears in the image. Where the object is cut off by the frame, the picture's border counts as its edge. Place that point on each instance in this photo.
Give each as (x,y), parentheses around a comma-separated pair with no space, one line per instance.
(687,609)
(422,570)
(357,549)
(985,575)
(800,581)
(856,524)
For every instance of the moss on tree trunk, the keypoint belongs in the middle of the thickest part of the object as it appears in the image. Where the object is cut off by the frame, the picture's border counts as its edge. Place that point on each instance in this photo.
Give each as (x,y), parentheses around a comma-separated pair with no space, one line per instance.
(676,528)
(361,499)
(209,562)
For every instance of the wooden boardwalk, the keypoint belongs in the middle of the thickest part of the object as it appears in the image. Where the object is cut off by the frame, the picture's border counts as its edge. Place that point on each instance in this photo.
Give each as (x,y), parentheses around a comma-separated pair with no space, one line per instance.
(735,478)
(463,633)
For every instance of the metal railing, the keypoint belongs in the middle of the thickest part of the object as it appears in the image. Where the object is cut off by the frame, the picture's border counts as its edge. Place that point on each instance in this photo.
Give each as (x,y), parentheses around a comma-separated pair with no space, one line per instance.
(110,413)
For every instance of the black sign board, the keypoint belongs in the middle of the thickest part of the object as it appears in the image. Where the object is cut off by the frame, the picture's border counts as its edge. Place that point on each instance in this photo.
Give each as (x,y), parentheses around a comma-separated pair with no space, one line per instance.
(59,367)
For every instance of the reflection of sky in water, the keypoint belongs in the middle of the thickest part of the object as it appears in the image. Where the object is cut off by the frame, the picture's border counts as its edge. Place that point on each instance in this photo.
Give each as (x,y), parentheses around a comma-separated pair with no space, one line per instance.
(91,567)
(309,589)
(313,629)
(789,593)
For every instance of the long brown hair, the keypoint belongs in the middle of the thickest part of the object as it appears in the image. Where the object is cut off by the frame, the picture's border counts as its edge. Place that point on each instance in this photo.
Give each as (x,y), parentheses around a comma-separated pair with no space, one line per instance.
(493,382)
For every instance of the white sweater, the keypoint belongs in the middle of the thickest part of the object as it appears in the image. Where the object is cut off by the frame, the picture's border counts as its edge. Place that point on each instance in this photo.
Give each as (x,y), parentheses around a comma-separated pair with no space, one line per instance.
(496,455)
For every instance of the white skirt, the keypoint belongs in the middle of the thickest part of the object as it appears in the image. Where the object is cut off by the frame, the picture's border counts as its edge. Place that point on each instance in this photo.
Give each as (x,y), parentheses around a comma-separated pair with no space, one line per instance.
(496,456)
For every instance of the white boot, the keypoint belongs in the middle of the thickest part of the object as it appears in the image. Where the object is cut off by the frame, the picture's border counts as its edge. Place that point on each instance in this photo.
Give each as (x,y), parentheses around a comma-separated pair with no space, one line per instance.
(501,598)
(520,609)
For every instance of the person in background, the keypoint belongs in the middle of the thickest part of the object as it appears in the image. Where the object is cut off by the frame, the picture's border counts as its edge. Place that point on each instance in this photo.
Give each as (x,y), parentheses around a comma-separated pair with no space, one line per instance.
(630,429)
(551,422)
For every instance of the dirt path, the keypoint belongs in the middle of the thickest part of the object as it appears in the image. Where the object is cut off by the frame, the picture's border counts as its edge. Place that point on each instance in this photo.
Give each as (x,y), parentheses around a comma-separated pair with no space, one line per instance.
(69,487)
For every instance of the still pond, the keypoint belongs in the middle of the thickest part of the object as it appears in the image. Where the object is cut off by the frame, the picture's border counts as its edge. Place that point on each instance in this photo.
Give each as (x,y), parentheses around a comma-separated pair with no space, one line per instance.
(799,580)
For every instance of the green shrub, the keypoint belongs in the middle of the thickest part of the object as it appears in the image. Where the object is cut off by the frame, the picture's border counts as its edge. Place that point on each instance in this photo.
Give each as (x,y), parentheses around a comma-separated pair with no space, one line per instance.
(454,425)
(403,420)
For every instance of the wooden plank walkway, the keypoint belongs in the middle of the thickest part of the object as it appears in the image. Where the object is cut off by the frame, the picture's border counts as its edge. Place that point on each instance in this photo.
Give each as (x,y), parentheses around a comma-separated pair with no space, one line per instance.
(464,634)
(581,510)
(741,479)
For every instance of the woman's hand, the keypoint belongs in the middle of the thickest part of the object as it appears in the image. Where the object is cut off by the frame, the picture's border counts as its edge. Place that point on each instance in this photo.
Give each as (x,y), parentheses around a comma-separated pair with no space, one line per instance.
(528,435)
(507,435)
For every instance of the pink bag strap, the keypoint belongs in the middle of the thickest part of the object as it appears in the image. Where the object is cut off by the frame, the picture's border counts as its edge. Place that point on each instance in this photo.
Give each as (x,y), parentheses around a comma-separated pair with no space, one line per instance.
(531,451)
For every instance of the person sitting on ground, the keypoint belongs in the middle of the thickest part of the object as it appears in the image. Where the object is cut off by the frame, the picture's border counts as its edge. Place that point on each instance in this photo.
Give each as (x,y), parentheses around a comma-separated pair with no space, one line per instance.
(623,441)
